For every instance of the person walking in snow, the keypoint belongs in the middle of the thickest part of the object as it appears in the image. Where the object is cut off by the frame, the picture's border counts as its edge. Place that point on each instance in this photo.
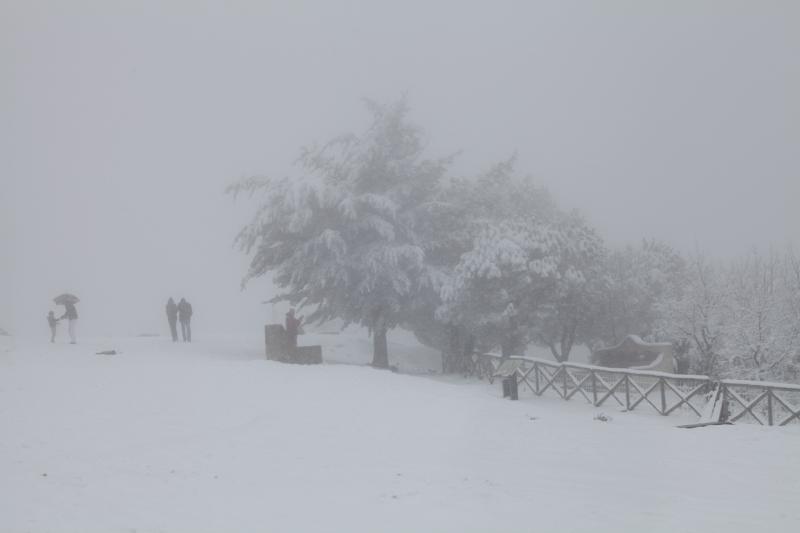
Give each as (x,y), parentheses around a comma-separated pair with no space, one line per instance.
(292,329)
(52,321)
(172,318)
(71,314)
(185,318)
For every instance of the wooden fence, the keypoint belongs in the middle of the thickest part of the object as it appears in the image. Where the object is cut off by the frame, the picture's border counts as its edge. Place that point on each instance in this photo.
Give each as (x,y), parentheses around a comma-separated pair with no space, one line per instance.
(729,400)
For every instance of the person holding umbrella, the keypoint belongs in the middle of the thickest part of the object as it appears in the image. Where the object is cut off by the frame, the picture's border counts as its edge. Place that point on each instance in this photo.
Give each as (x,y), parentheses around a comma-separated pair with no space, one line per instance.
(70,313)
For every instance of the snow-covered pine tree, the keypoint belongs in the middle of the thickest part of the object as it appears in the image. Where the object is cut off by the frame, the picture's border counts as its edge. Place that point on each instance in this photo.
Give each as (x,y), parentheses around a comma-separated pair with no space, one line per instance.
(344,236)
(502,282)
(568,315)
(467,208)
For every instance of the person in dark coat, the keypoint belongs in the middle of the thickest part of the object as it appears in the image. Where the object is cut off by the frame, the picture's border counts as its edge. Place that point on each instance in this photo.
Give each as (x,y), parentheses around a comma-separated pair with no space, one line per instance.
(172,318)
(292,329)
(71,314)
(185,317)
(52,321)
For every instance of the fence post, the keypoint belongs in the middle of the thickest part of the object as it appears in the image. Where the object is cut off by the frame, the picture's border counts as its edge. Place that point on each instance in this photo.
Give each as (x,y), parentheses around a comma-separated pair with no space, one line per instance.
(725,412)
(594,388)
(536,377)
(564,371)
(769,406)
(663,396)
(627,392)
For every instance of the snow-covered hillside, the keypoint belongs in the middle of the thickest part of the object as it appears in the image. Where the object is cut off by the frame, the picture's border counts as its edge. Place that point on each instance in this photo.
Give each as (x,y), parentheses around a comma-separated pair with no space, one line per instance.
(212,437)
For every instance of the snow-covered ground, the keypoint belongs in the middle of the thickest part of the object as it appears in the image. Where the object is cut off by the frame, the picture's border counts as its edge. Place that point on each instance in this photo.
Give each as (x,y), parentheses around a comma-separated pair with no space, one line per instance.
(212,437)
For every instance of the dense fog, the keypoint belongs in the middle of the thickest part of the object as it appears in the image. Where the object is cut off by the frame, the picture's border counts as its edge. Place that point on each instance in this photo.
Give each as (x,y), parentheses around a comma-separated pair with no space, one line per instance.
(361,265)
(122,124)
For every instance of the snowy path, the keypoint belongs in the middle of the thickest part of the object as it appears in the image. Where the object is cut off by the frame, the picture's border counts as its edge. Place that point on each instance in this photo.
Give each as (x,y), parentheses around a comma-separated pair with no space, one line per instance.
(209,437)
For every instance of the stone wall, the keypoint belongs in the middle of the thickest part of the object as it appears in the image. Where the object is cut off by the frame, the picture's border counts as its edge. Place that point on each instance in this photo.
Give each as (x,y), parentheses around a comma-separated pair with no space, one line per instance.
(276,346)
(308,355)
(275,342)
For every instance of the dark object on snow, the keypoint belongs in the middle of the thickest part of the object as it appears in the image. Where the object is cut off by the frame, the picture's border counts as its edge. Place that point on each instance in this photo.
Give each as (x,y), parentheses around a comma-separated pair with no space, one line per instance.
(185,317)
(705,424)
(64,299)
(172,318)
(307,355)
(277,348)
(4,333)
(510,389)
(508,372)
(275,342)
(107,352)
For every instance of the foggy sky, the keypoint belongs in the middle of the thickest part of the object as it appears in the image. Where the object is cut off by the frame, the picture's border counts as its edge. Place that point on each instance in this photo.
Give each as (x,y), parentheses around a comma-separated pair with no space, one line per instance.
(122,122)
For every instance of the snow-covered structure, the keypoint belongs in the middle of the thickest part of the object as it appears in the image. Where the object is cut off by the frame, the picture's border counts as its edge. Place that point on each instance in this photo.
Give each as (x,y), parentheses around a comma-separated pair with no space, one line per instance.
(633,352)
(276,344)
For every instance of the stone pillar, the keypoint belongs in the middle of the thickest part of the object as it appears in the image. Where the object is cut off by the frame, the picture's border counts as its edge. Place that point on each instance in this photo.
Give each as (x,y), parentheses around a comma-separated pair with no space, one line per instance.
(276,343)
(308,355)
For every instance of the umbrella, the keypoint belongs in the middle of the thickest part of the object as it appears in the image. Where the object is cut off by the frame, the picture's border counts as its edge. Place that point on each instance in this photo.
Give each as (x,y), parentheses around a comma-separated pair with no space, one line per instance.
(64,299)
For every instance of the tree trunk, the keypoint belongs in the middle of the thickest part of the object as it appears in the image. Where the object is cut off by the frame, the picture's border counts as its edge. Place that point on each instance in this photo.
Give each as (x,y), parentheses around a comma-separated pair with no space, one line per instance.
(450,353)
(554,351)
(380,350)
(567,341)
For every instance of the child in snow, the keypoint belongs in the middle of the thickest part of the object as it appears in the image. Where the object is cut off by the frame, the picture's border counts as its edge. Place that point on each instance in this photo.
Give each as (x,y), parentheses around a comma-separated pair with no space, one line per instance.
(52,321)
